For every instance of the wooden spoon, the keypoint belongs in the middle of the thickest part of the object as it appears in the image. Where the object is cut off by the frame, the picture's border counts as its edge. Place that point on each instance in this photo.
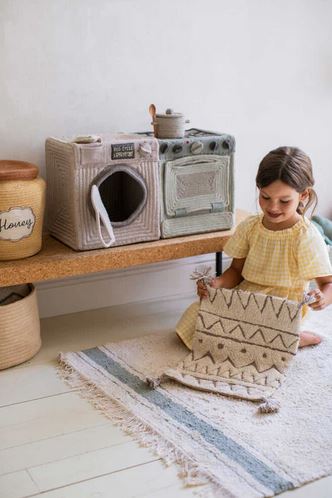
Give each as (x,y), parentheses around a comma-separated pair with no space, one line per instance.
(152,111)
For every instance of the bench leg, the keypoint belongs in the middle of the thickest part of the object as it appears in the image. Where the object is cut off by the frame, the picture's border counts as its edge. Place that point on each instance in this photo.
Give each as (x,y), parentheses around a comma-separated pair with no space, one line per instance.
(218,263)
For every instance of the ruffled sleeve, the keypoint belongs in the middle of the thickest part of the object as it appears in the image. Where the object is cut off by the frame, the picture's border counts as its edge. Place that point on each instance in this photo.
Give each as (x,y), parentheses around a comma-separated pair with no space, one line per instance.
(312,255)
(238,245)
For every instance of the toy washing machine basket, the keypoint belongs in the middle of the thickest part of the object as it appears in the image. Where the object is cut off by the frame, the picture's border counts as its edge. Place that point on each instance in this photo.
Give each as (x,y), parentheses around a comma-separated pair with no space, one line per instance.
(103,191)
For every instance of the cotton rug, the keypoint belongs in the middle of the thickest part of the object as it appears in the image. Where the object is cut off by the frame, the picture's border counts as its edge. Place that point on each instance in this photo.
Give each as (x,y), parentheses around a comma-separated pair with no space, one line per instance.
(216,440)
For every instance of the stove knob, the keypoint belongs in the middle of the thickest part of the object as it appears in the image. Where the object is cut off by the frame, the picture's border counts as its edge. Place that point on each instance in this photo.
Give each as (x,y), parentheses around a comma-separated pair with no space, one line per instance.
(225,144)
(177,149)
(163,148)
(213,145)
(145,149)
(196,147)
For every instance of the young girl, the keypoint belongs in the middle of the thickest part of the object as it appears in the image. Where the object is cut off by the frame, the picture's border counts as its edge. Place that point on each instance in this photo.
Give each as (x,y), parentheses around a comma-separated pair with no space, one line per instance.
(279,251)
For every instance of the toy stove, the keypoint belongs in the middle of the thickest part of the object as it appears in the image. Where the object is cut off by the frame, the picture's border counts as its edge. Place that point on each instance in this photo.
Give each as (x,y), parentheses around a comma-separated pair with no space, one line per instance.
(103,190)
(197,193)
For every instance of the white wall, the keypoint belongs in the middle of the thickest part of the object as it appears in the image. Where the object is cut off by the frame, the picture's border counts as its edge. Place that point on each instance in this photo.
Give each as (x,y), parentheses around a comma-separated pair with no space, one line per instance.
(259,69)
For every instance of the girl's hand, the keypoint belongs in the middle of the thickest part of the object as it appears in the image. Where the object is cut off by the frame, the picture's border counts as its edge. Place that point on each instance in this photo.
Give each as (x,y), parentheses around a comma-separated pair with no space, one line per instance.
(320,302)
(202,291)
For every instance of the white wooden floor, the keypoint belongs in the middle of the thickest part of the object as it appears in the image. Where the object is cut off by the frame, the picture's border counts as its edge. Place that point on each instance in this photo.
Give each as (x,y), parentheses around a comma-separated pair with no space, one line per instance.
(55,445)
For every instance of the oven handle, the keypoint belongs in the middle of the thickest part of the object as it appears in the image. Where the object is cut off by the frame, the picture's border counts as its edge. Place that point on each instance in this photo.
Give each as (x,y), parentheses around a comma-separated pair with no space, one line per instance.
(101,214)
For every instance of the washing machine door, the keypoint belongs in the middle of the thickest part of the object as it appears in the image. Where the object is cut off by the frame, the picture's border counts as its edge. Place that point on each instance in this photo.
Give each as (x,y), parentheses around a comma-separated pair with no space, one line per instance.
(118,196)
(196,184)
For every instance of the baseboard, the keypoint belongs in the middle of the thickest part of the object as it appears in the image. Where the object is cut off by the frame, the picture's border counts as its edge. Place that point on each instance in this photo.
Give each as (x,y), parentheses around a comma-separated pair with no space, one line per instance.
(153,282)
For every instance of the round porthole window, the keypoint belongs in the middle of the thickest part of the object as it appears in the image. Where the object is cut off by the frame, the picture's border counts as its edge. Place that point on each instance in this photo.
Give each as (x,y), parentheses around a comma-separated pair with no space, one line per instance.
(123,193)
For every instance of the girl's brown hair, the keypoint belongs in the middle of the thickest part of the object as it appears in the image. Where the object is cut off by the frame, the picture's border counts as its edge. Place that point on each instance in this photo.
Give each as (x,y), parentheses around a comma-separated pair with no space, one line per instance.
(293,167)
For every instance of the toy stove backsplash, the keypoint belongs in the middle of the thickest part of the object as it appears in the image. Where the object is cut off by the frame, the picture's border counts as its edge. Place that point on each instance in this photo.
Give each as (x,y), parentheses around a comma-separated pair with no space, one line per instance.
(116,189)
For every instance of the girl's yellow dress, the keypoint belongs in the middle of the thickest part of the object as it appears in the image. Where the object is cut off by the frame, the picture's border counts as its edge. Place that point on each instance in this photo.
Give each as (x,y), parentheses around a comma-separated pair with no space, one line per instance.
(280,263)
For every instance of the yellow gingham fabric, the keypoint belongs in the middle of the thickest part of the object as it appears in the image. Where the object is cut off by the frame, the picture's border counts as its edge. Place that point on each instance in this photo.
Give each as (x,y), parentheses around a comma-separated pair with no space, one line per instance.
(186,326)
(280,263)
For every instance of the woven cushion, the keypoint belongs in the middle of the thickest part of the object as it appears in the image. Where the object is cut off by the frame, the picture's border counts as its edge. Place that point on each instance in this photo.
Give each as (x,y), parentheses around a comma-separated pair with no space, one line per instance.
(242,345)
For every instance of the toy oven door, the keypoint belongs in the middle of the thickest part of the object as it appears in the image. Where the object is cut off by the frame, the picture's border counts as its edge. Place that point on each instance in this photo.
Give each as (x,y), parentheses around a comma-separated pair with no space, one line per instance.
(195,185)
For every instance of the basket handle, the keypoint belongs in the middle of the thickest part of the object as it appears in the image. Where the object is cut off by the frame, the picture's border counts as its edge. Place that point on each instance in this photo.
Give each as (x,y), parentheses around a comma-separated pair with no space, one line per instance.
(101,215)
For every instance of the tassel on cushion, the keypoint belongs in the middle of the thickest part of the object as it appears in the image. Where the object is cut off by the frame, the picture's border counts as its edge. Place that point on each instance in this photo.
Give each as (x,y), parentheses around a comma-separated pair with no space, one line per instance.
(269,406)
(154,382)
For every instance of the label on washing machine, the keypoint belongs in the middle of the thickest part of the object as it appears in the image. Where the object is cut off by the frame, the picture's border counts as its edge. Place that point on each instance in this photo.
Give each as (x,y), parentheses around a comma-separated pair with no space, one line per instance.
(16,223)
(123,151)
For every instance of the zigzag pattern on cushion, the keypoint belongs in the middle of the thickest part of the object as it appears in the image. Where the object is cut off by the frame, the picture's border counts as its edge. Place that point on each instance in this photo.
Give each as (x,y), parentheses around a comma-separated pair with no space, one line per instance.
(246,332)
(242,345)
(257,302)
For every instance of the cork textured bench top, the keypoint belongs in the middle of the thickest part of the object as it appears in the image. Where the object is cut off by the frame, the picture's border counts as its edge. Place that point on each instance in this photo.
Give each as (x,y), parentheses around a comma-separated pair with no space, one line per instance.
(57,261)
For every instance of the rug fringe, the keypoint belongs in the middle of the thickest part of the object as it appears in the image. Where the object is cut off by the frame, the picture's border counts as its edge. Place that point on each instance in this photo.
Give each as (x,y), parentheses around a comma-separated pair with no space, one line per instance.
(141,432)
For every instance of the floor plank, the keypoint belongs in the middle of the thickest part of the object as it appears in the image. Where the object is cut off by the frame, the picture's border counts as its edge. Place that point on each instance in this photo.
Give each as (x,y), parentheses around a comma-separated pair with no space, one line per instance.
(89,465)
(60,447)
(17,485)
(151,480)
(317,489)
(87,329)
(45,418)
(30,383)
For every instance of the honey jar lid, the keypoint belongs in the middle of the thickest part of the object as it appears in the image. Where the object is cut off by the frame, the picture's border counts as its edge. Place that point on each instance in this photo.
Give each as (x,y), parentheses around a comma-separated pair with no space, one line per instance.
(17,170)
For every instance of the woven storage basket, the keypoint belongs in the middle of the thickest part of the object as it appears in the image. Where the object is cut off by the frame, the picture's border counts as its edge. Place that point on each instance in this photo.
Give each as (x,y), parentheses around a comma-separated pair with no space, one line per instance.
(22,204)
(19,327)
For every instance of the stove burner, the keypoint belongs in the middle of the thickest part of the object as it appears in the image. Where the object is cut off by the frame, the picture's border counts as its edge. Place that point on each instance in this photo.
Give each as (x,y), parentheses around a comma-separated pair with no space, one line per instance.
(192,132)
(195,132)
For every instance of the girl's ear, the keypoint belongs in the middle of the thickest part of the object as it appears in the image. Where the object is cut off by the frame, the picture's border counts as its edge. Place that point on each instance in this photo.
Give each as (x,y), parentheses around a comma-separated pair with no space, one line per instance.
(304,195)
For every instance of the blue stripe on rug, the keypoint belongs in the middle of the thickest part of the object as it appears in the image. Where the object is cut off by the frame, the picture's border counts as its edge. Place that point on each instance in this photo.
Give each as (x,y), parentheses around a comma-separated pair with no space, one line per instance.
(259,470)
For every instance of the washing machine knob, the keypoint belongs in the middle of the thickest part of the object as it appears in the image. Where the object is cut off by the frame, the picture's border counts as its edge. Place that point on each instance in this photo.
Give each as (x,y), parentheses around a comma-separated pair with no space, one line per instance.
(163,148)
(196,147)
(177,149)
(145,149)
(213,145)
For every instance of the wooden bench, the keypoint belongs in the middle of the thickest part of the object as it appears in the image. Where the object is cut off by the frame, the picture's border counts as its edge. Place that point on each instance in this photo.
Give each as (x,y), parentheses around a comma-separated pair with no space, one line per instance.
(57,261)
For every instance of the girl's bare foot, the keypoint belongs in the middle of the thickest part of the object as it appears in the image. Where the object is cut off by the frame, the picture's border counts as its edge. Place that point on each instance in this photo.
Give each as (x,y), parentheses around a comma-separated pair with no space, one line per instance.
(308,339)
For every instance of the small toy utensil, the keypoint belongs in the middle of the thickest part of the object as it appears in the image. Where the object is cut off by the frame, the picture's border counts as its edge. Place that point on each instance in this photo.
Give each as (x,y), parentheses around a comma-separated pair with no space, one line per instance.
(153,111)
